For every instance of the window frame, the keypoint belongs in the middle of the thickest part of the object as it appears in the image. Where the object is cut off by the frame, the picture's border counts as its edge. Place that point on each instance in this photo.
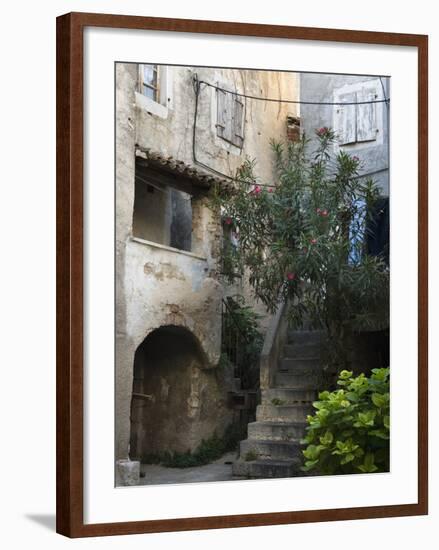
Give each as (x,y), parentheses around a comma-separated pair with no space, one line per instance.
(142,84)
(359,91)
(163,103)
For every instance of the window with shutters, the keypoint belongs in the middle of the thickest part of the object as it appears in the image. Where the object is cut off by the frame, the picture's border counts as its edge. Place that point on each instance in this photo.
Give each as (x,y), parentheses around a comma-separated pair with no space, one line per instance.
(230,117)
(356,121)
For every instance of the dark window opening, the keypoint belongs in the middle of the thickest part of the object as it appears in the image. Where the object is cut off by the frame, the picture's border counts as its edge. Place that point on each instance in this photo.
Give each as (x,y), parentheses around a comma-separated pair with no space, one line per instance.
(162,214)
(377,230)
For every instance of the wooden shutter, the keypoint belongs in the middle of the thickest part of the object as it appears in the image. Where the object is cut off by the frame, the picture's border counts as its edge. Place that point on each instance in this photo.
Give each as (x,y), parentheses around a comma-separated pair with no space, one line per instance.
(238,122)
(366,115)
(223,120)
(346,119)
(230,117)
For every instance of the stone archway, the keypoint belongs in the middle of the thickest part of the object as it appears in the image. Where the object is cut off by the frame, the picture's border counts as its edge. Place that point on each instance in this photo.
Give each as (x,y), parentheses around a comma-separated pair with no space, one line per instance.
(166,364)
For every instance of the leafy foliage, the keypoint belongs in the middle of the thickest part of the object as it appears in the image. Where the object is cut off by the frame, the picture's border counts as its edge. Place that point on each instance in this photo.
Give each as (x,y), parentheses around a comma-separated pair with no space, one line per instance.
(350,431)
(242,340)
(301,239)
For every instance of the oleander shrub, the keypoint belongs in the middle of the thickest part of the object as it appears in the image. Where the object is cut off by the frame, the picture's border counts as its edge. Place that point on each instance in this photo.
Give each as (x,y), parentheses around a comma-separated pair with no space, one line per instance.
(300,239)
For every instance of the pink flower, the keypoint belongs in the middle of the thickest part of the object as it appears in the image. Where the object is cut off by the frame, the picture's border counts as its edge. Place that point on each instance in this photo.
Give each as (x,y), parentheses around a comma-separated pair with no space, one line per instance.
(291,276)
(228,221)
(318,210)
(313,241)
(323,131)
(270,190)
(257,190)
(324,213)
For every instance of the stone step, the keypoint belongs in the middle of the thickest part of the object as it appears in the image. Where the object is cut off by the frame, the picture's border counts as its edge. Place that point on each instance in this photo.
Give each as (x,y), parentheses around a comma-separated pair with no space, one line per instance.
(267,468)
(302,365)
(307,349)
(283,413)
(305,337)
(262,449)
(297,381)
(286,396)
(277,431)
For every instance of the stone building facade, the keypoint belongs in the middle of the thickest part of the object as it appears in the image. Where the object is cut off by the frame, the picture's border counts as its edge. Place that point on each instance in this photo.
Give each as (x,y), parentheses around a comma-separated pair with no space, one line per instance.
(178,131)
(363,129)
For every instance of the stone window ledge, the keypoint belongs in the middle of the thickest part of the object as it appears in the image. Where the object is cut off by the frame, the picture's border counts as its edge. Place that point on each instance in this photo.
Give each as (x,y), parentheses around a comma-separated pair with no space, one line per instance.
(151,106)
(168,248)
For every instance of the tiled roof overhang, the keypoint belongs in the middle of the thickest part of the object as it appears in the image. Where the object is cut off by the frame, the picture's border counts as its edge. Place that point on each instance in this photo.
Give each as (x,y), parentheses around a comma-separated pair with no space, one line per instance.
(173,167)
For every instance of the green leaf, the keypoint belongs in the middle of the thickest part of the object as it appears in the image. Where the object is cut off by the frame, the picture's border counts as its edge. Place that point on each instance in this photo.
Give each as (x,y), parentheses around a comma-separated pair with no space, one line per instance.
(309,465)
(312,452)
(368,465)
(382,434)
(353,397)
(365,419)
(380,400)
(327,439)
(347,458)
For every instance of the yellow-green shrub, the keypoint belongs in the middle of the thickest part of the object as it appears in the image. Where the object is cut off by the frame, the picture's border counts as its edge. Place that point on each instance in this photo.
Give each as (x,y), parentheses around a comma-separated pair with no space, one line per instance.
(350,431)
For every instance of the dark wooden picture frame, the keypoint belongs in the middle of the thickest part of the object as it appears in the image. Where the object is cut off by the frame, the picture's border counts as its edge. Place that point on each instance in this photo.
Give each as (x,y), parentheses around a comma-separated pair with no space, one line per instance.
(70,264)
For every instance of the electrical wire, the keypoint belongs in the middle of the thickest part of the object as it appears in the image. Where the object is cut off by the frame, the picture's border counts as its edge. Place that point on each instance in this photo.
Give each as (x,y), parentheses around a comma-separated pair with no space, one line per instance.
(197,86)
(298,101)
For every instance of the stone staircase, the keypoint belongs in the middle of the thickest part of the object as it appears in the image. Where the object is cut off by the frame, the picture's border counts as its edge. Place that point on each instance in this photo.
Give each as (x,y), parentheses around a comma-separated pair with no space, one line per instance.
(272,448)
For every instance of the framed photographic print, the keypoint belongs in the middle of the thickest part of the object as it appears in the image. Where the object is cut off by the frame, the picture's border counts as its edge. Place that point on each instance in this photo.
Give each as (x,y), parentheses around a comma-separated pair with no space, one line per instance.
(241,274)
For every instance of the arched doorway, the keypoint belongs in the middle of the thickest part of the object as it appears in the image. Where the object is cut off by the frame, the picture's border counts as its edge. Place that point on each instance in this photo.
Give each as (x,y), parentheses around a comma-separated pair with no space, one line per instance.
(162,416)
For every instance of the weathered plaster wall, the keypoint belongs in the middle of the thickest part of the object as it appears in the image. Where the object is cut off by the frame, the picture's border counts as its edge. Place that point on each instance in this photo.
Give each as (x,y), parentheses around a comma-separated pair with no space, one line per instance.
(162,287)
(158,286)
(168,287)
(322,87)
(125,159)
(263,120)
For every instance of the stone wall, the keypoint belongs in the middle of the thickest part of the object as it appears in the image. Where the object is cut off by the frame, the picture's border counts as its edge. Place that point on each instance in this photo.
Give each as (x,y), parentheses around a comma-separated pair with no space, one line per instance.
(159,286)
(176,400)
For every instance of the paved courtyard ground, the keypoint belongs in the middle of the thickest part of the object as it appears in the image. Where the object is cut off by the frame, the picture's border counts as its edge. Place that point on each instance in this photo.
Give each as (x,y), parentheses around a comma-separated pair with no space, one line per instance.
(219,470)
